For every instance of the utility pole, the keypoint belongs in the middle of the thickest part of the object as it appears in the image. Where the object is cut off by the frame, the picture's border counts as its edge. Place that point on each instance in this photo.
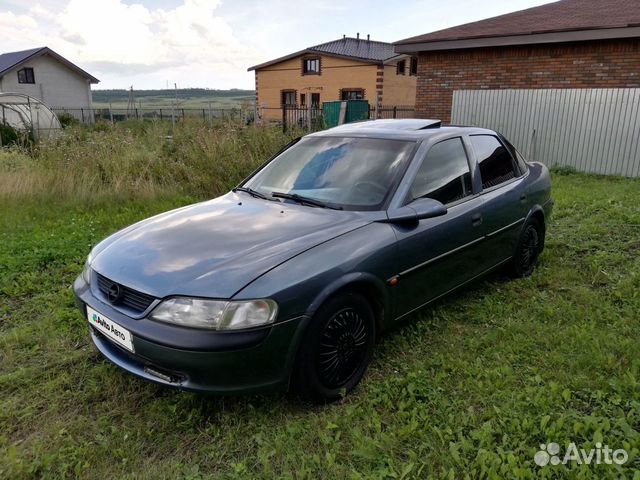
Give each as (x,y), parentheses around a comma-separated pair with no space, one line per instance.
(173,108)
(131,105)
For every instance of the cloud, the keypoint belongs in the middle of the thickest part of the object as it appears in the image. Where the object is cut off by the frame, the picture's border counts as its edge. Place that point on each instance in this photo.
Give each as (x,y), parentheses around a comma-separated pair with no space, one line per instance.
(110,38)
(19,30)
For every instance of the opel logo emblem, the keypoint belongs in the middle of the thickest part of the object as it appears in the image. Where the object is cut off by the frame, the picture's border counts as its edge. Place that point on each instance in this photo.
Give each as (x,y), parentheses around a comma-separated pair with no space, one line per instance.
(114,294)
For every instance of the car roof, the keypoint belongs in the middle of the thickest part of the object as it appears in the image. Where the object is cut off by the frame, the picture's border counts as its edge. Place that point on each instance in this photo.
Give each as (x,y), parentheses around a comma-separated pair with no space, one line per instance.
(413,129)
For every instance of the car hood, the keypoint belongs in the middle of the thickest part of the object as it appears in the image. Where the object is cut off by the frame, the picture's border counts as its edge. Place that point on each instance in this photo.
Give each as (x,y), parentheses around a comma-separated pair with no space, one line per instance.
(215,248)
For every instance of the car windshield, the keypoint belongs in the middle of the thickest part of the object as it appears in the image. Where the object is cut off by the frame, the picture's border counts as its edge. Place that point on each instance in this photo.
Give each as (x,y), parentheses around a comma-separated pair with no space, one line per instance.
(354,173)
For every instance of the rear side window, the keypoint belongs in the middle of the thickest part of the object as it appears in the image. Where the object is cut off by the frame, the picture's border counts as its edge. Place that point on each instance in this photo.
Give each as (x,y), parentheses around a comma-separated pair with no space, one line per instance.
(496,165)
(444,174)
(522,163)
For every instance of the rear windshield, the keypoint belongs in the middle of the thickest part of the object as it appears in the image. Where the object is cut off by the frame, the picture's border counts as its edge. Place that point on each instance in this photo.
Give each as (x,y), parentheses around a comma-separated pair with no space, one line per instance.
(355,173)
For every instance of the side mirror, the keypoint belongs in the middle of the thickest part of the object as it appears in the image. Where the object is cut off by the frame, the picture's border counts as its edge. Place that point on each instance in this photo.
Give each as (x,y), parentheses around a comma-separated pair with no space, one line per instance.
(417,210)
(428,208)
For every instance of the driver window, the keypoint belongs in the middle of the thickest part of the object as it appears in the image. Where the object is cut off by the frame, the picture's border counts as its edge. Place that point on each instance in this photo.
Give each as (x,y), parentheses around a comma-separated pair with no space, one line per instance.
(444,174)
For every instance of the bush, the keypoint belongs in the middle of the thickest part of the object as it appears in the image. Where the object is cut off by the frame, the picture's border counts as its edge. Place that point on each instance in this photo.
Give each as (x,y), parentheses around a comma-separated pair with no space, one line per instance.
(563,169)
(141,159)
(12,136)
(8,135)
(67,120)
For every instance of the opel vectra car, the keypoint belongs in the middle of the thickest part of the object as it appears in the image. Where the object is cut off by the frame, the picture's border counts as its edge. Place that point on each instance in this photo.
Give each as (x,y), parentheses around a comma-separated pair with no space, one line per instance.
(290,277)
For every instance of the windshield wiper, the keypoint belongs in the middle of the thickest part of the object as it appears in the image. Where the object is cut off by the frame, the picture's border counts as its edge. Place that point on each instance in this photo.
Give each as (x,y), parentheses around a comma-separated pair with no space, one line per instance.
(252,192)
(309,201)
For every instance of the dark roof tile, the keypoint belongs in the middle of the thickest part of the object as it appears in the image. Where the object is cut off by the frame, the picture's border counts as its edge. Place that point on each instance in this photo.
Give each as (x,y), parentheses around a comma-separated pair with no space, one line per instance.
(9,60)
(347,47)
(357,48)
(562,16)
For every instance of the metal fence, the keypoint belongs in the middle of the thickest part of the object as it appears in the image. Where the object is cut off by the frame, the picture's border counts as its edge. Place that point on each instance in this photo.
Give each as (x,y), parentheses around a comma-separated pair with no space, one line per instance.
(89,115)
(395,111)
(592,130)
(308,118)
(311,118)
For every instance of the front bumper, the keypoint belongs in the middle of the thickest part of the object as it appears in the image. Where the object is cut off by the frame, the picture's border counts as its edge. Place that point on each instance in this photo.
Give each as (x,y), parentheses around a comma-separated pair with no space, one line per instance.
(214,362)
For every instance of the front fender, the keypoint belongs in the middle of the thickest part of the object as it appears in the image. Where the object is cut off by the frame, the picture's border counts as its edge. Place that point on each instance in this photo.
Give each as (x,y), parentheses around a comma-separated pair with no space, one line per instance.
(351,279)
(300,285)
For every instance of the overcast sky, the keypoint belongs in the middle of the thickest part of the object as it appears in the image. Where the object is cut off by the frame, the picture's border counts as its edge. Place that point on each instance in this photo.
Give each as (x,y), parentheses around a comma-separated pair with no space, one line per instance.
(200,43)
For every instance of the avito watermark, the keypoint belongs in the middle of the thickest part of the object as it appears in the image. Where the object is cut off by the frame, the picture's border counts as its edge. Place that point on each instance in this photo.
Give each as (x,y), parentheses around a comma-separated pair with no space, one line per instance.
(601,454)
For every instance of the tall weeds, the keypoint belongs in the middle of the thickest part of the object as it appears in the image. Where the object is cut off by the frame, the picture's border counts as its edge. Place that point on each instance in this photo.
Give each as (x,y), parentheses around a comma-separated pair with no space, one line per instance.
(137,159)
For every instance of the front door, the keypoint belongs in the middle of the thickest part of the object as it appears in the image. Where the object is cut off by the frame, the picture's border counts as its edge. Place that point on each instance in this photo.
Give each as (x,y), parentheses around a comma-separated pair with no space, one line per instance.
(437,254)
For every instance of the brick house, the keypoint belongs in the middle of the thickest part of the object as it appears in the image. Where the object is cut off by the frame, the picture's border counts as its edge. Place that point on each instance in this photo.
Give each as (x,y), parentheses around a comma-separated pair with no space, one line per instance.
(566,44)
(343,69)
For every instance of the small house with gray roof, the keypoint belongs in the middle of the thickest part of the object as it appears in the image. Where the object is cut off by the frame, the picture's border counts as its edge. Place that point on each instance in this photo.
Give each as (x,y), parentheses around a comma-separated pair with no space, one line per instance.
(44,74)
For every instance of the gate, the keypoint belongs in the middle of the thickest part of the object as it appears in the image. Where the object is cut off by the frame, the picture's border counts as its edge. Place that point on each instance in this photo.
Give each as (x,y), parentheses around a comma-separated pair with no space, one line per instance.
(357,110)
(354,110)
(592,130)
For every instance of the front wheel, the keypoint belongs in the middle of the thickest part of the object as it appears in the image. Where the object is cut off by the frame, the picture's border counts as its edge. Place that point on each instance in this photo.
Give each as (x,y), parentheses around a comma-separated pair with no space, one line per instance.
(337,348)
(529,247)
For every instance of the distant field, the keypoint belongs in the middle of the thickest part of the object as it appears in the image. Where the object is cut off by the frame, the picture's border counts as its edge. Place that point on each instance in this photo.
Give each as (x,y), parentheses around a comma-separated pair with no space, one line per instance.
(186,98)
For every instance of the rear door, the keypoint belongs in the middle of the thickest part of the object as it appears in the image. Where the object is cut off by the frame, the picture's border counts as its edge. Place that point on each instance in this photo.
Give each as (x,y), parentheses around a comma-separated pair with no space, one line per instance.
(504,197)
(438,254)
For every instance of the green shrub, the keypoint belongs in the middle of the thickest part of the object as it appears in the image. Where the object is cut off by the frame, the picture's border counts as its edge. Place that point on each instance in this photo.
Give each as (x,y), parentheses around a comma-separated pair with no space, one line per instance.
(8,135)
(140,158)
(67,120)
(563,169)
(12,136)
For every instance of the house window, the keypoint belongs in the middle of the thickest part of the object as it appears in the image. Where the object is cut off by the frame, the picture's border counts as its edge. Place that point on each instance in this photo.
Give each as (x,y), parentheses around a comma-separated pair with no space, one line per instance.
(288,98)
(303,99)
(25,75)
(315,99)
(413,70)
(311,66)
(352,94)
(400,66)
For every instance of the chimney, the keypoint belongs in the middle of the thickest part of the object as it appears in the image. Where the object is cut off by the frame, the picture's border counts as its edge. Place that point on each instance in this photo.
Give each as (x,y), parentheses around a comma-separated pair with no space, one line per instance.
(368,36)
(344,37)
(358,36)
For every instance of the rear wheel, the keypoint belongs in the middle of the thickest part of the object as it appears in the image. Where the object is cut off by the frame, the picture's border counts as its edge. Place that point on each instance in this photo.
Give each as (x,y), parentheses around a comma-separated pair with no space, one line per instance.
(337,348)
(529,248)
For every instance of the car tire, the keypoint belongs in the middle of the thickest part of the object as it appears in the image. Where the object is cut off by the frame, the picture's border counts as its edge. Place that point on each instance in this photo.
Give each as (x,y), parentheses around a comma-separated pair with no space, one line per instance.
(528,249)
(336,349)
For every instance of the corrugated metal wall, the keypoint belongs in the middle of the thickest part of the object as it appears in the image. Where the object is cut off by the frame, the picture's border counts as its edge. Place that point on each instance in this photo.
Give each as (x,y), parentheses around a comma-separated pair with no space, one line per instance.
(593,130)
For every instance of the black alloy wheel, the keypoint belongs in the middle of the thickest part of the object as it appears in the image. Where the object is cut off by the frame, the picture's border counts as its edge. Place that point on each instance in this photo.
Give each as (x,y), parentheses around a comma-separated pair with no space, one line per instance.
(528,249)
(342,348)
(336,349)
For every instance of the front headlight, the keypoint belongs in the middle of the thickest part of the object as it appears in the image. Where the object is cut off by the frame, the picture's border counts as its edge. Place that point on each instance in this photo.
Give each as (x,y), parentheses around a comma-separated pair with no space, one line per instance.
(215,314)
(86,270)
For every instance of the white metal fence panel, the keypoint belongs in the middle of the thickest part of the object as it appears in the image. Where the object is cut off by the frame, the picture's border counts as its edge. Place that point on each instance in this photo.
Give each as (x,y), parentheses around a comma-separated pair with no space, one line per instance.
(593,130)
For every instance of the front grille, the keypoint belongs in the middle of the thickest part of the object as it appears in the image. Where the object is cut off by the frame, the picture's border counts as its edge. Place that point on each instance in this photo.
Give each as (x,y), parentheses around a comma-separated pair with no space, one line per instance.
(129,298)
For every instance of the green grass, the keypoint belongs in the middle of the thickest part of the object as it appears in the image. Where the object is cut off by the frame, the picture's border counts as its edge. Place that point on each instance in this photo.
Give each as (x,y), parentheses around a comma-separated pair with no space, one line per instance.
(466,389)
(137,159)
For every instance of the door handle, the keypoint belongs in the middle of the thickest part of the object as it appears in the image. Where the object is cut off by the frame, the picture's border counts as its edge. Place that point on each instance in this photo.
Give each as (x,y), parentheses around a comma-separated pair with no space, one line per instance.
(523,197)
(476,219)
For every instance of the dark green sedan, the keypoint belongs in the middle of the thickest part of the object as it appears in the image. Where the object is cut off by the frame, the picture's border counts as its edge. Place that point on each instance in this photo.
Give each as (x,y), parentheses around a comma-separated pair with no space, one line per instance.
(289,278)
